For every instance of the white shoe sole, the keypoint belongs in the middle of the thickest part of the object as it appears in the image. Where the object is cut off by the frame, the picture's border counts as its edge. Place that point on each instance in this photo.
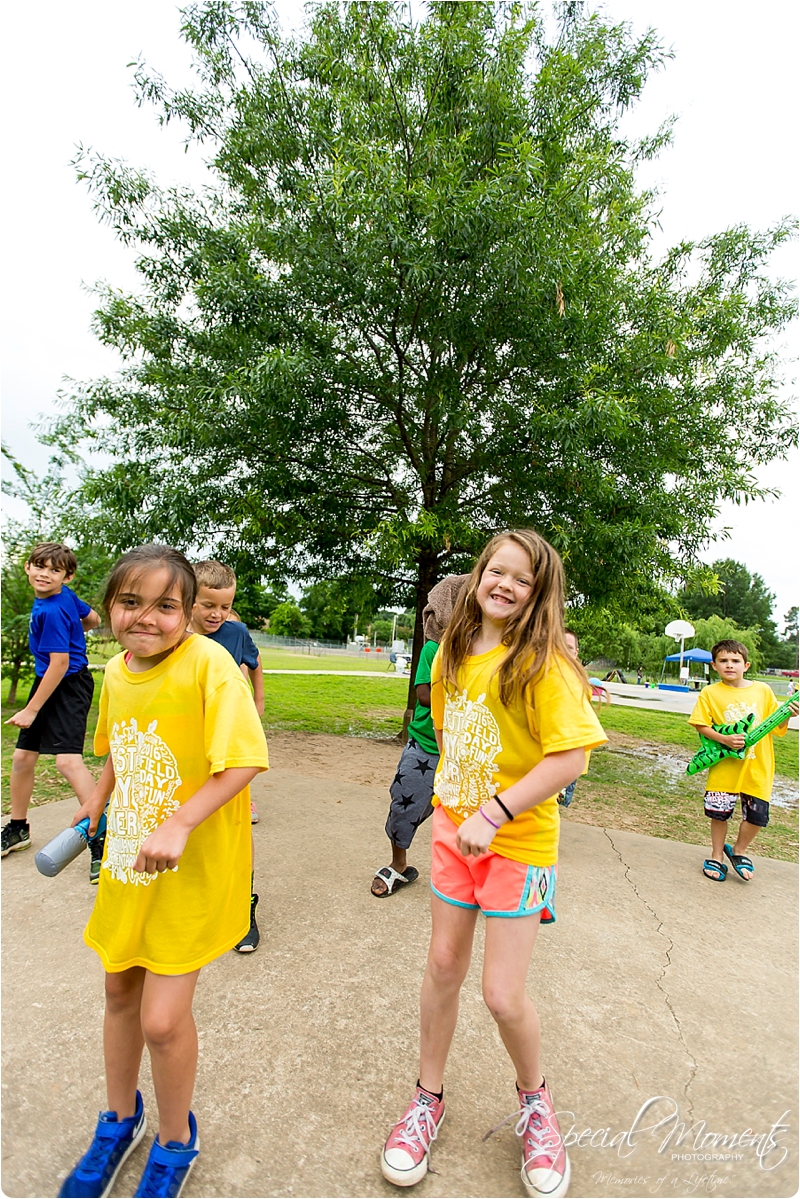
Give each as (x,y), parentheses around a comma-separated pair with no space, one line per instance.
(16,848)
(559,1191)
(139,1135)
(246,948)
(406,1178)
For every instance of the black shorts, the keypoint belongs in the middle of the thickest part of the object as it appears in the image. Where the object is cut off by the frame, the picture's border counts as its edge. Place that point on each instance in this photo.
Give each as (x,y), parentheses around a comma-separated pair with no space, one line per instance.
(720,805)
(60,726)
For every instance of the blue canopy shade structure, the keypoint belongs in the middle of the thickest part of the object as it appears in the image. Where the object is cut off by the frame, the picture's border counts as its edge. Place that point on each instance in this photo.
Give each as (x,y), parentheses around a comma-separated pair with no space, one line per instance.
(690,655)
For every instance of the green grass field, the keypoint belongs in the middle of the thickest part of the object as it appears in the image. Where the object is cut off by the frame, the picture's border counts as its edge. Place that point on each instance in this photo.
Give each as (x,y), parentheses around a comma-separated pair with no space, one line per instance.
(277,659)
(284,659)
(638,783)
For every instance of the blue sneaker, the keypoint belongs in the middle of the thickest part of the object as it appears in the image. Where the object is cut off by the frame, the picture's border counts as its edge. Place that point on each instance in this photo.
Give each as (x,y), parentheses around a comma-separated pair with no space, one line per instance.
(168,1166)
(114,1141)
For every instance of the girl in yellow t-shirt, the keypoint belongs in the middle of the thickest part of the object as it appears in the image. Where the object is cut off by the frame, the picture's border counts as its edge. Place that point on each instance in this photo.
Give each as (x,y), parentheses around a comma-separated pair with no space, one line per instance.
(174,892)
(514,722)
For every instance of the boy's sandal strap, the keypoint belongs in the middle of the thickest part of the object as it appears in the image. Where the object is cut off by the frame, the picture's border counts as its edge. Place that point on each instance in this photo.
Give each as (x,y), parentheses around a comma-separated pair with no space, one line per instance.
(394,879)
(740,862)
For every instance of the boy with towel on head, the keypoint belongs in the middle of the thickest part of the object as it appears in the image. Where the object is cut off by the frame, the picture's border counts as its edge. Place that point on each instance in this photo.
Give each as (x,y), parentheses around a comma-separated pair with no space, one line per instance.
(412,788)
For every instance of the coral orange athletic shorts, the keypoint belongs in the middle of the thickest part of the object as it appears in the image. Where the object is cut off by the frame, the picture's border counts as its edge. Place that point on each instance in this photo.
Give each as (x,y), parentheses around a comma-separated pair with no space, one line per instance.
(496,885)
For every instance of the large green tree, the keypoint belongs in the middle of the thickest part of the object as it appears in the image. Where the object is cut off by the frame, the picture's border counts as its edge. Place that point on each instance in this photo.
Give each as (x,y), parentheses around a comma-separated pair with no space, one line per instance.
(339,608)
(741,596)
(418,304)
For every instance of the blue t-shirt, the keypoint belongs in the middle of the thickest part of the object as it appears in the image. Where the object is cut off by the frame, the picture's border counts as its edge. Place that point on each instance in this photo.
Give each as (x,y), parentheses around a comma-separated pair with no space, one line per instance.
(238,642)
(56,628)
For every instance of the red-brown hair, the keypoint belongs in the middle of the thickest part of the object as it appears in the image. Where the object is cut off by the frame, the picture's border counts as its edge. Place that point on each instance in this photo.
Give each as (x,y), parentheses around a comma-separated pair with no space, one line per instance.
(533,636)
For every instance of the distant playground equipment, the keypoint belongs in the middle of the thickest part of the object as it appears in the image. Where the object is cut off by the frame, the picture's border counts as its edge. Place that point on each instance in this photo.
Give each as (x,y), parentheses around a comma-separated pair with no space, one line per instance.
(687,683)
(680,630)
(615,676)
(711,752)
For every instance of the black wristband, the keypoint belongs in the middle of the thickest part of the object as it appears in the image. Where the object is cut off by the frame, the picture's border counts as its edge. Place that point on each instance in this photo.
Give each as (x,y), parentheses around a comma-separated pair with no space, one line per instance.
(500,804)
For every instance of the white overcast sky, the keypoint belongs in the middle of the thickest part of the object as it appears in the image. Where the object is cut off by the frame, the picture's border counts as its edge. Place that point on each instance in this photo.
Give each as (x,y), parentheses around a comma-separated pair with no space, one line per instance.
(66,81)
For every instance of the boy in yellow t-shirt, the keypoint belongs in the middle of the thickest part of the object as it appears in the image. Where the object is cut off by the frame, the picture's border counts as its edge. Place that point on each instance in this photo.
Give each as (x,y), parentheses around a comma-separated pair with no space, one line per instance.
(732,699)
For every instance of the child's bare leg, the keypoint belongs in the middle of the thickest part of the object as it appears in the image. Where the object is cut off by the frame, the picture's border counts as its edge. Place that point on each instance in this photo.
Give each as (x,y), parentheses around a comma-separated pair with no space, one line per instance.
(509,945)
(399,858)
(448,961)
(747,833)
(122,1039)
(77,774)
(719,833)
(171,1037)
(23,774)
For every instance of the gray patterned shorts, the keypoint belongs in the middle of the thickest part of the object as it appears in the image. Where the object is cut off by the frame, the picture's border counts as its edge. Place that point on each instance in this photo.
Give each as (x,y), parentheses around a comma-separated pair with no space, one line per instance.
(411,792)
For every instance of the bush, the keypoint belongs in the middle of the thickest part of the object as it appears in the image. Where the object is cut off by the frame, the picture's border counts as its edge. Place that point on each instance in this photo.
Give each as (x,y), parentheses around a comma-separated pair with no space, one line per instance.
(288,621)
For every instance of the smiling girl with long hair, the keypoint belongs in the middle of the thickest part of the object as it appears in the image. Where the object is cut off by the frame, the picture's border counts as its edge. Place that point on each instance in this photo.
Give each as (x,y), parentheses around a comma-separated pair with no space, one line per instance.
(512,712)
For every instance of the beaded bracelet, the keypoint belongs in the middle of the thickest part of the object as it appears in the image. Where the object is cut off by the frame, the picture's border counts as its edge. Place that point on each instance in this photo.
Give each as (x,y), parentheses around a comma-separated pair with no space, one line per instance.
(485,817)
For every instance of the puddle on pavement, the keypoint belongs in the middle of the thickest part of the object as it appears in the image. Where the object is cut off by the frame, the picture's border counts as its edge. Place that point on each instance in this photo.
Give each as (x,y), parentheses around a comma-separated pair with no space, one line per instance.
(673,767)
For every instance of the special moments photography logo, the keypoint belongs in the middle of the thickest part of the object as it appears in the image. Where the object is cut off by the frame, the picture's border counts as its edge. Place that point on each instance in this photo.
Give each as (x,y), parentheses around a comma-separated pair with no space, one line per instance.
(693,1142)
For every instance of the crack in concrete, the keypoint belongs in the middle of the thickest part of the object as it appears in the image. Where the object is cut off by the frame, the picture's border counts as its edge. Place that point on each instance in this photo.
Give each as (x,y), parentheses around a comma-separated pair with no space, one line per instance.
(670,943)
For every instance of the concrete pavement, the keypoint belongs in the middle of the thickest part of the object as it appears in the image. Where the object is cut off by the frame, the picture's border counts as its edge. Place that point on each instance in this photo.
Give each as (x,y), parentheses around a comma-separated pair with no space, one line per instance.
(655,982)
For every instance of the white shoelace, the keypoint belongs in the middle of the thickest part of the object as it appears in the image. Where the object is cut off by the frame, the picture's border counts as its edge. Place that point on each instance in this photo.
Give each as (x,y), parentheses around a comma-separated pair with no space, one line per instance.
(537,1133)
(412,1132)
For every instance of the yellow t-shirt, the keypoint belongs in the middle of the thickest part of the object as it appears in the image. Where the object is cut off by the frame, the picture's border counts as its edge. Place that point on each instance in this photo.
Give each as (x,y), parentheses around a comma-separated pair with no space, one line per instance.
(487,746)
(169,729)
(721,704)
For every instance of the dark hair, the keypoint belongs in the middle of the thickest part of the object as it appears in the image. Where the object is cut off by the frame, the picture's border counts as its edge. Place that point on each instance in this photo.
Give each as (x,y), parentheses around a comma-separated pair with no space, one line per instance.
(152,557)
(730,647)
(58,555)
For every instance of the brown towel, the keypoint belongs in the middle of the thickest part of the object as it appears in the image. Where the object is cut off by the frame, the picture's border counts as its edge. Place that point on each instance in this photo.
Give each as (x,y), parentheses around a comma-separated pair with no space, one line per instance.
(439,608)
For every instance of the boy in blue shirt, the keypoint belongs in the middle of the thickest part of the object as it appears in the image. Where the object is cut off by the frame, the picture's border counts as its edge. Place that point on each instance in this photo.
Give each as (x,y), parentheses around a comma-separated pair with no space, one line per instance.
(53,720)
(216,591)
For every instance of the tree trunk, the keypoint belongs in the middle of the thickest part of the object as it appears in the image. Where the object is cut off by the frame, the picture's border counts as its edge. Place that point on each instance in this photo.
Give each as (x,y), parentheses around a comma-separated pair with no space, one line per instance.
(427,577)
(12,688)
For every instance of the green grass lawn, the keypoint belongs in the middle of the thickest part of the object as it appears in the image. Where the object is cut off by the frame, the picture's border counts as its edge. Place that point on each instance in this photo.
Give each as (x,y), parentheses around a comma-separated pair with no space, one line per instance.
(647,791)
(284,659)
(276,659)
(638,783)
(325,704)
(672,728)
(49,783)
